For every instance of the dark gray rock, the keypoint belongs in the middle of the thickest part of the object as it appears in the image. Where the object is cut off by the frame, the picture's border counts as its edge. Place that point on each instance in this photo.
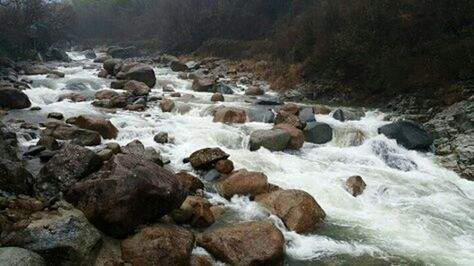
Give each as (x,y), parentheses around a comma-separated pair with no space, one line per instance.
(269,101)
(272,139)
(123,52)
(317,132)
(392,157)
(223,88)
(13,99)
(338,115)
(161,138)
(13,256)
(408,134)
(212,175)
(307,115)
(14,178)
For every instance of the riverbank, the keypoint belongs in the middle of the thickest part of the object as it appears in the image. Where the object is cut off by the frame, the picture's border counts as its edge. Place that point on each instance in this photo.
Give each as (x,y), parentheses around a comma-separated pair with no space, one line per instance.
(356,196)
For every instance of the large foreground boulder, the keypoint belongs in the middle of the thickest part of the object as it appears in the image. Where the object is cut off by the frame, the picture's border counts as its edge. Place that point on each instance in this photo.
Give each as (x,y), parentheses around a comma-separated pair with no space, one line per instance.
(299,210)
(273,139)
(230,115)
(142,73)
(317,132)
(105,128)
(158,245)
(79,136)
(62,237)
(69,165)
(206,158)
(13,99)
(250,243)
(243,182)
(408,134)
(128,191)
(13,256)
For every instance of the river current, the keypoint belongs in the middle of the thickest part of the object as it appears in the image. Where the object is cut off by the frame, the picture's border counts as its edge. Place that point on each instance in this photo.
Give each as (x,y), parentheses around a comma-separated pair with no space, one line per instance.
(413,211)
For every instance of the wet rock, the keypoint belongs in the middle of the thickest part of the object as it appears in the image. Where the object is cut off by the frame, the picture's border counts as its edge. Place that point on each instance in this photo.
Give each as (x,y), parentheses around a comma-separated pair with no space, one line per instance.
(175,94)
(194,211)
(124,193)
(102,59)
(135,107)
(109,65)
(291,108)
(201,261)
(36,69)
(14,256)
(391,157)
(49,142)
(34,150)
(161,138)
(178,66)
(191,183)
(273,139)
(321,109)
(223,89)
(55,115)
(254,91)
(115,147)
(105,94)
(71,164)
(136,88)
(90,54)
(307,115)
(123,52)
(74,97)
(13,99)
(135,147)
(243,182)
(317,132)
(217,97)
(104,127)
(408,134)
(354,137)
(46,155)
(56,54)
(296,136)
(102,73)
(81,85)
(298,210)
(27,125)
(233,245)
(63,237)
(167,106)
(59,130)
(206,158)
(355,185)
(142,73)
(204,84)
(14,177)
(105,154)
(283,117)
(230,115)
(154,156)
(268,101)
(225,166)
(114,102)
(118,84)
(338,115)
(212,175)
(158,245)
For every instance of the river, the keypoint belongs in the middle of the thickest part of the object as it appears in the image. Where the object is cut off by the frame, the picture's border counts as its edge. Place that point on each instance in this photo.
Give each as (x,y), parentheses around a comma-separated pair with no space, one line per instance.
(421,215)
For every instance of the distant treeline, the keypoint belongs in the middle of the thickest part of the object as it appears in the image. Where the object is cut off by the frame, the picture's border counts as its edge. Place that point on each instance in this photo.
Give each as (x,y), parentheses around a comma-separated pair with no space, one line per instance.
(373,45)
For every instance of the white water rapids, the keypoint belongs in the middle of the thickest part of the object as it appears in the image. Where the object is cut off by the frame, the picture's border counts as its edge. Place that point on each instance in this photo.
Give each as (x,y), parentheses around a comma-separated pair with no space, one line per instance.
(421,216)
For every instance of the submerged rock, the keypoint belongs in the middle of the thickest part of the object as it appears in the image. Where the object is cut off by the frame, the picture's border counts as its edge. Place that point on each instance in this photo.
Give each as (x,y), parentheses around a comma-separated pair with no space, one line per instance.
(230,115)
(355,185)
(299,210)
(392,157)
(408,134)
(250,243)
(157,245)
(125,192)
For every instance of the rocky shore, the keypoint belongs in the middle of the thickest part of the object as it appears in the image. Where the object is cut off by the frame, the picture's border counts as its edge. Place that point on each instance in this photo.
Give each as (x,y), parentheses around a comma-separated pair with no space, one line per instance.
(79,197)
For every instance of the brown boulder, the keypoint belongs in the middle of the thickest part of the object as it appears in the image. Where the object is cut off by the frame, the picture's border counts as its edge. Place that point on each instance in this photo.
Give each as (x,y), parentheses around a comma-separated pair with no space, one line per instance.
(157,245)
(118,84)
(296,136)
(254,91)
(167,106)
(250,243)
(284,117)
(190,182)
(225,166)
(195,211)
(105,94)
(321,109)
(142,73)
(125,192)
(206,158)
(110,64)
(291,108)
(243,182)
(299,210)
(105,128)
(136,88)
(217,97)
(355,185)
(230,115)
(62,131)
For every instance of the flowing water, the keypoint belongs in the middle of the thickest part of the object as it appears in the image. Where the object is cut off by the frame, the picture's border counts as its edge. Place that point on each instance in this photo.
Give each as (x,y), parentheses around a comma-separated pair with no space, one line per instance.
(412,212)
